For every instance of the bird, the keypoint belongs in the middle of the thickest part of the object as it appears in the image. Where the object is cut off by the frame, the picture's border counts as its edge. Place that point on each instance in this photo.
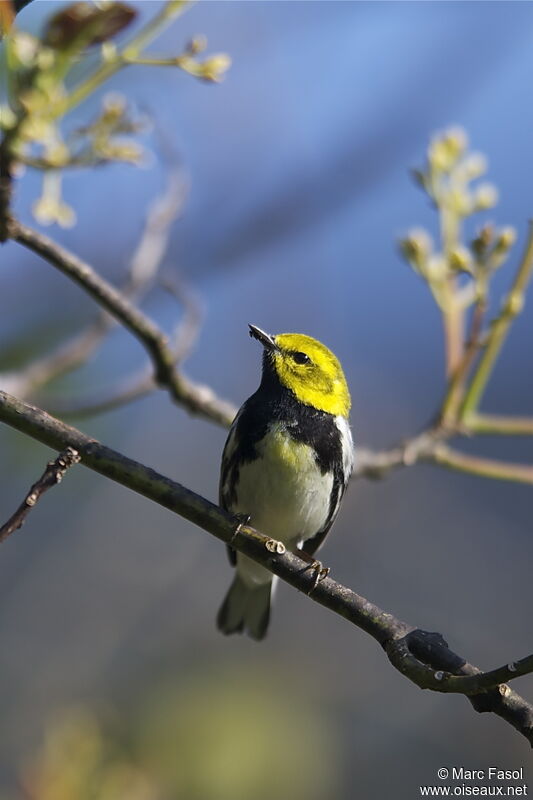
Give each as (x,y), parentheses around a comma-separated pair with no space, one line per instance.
(285,466)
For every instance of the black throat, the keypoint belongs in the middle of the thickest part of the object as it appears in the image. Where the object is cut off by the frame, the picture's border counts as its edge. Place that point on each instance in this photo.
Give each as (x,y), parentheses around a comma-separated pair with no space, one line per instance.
(275,403)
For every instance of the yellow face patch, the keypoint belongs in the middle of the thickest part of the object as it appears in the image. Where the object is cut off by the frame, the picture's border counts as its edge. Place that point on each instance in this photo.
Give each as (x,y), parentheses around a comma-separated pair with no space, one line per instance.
(312,372)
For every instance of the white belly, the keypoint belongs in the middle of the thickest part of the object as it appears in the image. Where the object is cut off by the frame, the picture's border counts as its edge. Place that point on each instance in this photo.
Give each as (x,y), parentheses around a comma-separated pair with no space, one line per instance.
(285,494)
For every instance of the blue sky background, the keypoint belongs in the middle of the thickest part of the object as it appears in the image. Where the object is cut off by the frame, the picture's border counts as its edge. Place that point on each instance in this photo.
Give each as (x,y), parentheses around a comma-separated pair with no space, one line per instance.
(299,167)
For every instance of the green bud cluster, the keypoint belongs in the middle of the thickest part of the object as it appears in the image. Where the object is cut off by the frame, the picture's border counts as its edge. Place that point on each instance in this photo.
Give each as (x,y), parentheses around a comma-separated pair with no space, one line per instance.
(42,91)
(447,178)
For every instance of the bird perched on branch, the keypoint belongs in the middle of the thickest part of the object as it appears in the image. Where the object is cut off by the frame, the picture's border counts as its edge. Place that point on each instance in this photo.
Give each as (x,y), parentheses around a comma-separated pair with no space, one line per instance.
(285,466)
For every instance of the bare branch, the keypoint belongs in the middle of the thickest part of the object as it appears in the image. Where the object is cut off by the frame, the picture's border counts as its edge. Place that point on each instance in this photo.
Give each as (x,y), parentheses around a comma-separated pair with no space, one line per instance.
(53,474)
(499,424)
(142,382)
(427,446)
(144,266)
(411,651)
(132,388)
(67,357)
(456,386)
(187,330)
(196,398)
(154,240)
(512,306)
(376,464)
(430,447)
(483,467)
(472,681)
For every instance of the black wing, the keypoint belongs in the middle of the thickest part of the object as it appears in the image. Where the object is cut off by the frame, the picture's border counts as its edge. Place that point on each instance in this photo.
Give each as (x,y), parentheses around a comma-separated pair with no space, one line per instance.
(228,476)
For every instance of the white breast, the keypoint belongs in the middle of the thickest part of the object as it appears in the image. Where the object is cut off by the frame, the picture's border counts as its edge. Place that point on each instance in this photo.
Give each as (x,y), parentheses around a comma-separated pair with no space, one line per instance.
(283,490)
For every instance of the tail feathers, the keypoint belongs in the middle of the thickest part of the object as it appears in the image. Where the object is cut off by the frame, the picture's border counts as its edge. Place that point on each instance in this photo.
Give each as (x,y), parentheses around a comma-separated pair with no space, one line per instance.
(245,609)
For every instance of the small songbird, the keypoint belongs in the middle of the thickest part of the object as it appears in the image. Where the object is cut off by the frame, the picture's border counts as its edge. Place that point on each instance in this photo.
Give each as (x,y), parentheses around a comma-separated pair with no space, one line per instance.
(285,465)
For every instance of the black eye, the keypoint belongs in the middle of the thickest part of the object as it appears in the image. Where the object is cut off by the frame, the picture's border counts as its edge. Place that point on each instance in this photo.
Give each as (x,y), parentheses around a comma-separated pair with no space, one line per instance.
(301,358)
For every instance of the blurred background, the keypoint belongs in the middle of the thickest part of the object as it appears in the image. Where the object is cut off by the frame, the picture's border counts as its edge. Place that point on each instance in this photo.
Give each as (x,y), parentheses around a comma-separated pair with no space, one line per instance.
(114,682)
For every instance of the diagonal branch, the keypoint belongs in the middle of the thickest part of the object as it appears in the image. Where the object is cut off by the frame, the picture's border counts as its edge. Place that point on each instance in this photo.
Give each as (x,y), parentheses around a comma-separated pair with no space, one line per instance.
(141,382)
(512,306)
(196,398)
(483,467)
(67,357)
(143,268)
(500,424)
(427,446)
(411,651)
(402,654)
(53,474)
(456,386)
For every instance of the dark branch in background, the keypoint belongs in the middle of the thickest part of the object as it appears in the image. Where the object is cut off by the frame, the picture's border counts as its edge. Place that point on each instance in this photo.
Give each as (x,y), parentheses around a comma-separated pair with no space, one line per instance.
(6,184)
(444,177)
(143,269)
(53,474)
(197,399)
(422,657)
(429,447)
(20,4)
(201,400)
(142,382)
(144,266)
(67,357)
(457,415)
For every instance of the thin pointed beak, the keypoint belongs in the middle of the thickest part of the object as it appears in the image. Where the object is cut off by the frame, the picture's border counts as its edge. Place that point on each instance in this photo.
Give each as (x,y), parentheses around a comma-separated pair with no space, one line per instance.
(266,340)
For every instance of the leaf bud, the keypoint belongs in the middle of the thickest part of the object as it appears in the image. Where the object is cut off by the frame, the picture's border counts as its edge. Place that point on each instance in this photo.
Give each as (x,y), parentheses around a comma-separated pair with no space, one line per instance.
(505,239)
(446,149)
(213,68)
(197,45)
(474,166)
(460,259)
(416,248)
(485,197)
(483,240)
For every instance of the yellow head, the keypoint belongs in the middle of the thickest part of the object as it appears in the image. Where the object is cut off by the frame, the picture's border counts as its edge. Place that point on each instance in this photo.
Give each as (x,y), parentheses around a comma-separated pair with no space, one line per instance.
(308,369)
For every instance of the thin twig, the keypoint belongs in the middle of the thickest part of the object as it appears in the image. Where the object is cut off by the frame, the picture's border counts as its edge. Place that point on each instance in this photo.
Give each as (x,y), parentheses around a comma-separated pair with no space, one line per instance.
(456,388)
(471,681)
(453,322)
(499,424)
(188,328)
(201,400)
(166,14)
(133,388)
(142,271)
(67,357)
(53,474)
(429,447)
(512,306)
(381,625)
(144,265)
(453,313)
(141,382)
(196,398)
(376,464)
(482,467)
(164,211)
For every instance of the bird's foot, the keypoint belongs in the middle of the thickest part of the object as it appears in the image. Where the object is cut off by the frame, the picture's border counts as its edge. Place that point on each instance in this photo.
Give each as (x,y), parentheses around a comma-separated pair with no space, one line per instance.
(319,570)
